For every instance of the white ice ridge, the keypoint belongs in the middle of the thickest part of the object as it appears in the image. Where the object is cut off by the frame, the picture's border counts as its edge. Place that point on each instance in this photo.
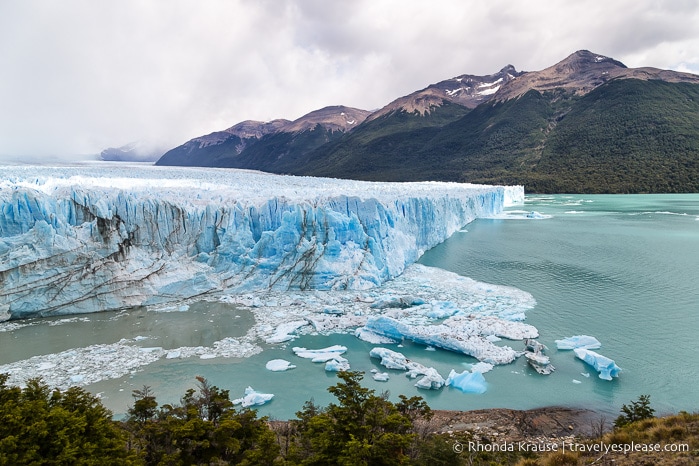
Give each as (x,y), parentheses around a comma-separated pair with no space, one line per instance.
(91,238)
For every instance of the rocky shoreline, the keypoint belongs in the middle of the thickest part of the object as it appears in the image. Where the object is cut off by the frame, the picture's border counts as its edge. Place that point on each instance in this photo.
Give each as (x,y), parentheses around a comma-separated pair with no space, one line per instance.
(499,424)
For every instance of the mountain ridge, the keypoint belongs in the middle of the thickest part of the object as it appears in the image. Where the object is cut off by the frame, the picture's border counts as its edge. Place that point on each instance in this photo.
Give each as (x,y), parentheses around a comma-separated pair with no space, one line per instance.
(501,128)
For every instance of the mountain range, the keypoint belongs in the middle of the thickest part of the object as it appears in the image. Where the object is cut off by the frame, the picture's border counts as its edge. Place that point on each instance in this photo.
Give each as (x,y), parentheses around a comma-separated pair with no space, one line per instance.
(587,124)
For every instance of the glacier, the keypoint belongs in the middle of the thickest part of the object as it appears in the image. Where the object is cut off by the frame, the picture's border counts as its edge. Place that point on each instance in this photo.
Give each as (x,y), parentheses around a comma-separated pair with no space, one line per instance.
(96,237)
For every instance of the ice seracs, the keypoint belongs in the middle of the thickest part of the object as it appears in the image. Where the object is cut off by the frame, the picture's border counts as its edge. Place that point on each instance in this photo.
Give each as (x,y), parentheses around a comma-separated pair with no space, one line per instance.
(109,238)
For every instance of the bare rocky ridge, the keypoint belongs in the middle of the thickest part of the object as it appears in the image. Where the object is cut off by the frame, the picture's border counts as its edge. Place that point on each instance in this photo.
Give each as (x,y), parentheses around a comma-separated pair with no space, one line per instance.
(582,72)
(244,130)
(334,118)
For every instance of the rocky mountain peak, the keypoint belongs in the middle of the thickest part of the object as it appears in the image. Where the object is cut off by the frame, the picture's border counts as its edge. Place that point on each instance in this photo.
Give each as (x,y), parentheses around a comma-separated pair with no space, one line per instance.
(466,90)
(333,118)
(580,72)
(256,129)
(583,60)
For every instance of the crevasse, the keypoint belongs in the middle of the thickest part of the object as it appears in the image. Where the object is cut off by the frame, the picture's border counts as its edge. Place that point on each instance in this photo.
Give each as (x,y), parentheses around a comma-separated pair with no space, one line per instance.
(90,238)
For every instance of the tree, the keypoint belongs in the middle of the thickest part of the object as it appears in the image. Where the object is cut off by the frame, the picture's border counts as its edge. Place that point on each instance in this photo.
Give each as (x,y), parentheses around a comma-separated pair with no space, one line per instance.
(364,428)
(204,428)
(637,411)
(72,427)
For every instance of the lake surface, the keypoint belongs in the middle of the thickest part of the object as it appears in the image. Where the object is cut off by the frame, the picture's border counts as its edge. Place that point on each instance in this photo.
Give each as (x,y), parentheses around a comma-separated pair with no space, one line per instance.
(623,268)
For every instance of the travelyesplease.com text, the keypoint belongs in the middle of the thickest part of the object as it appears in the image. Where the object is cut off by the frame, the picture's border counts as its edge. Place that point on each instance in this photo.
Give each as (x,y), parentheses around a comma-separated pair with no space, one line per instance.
(542,447)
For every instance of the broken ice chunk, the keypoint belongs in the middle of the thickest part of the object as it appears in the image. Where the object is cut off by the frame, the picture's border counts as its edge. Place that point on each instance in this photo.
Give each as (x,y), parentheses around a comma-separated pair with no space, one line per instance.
(390,359)
(578,341)
(467,382)
(394,360)
(431,381)
(337,364)
(606,367)
(253,398)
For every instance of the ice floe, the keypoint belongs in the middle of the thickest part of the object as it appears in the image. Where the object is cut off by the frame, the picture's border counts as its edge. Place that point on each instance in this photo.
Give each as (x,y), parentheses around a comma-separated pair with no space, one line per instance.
(279,365)
(320,355)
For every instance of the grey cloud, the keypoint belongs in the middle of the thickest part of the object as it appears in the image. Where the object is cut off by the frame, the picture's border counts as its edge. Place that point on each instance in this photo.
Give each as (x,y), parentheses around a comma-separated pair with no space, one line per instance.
(78,75)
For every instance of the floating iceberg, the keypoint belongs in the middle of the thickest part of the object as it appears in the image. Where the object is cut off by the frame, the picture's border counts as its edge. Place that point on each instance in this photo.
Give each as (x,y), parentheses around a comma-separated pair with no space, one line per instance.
(578,341)
(390,359)
(253,398)
(432,380)
(320,355)
(467,382)
(606,367)
(109,237)
(337,364)
(534,354)
(380,376)
(279,365)
(394,360)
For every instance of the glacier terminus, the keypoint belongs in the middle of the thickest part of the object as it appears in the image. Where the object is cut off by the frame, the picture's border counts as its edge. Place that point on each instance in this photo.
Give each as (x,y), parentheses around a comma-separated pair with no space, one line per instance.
(89,238)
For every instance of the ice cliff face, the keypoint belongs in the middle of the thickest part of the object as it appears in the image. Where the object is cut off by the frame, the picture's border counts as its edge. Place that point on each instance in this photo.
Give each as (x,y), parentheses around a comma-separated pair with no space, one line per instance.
(90,238)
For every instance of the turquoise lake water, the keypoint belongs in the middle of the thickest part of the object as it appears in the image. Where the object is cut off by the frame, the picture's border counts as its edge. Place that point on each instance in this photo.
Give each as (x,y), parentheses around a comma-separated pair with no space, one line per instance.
(623,268)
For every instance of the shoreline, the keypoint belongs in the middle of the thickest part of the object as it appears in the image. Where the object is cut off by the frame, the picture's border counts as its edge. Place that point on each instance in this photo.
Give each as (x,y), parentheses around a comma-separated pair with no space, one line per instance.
(505,424)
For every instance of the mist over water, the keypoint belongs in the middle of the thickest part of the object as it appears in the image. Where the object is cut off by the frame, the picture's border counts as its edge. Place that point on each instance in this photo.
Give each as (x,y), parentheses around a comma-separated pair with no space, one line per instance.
(620,268)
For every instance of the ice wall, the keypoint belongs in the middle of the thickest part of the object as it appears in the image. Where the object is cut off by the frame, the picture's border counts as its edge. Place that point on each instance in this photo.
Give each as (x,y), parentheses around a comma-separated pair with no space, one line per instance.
(94,238)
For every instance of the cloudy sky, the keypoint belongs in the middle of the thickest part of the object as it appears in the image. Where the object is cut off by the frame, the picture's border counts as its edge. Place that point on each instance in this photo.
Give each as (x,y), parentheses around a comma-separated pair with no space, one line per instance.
(77,76)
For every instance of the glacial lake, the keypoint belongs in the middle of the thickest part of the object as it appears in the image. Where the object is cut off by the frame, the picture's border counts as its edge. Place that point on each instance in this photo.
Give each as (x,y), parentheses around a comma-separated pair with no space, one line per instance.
(623,268)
